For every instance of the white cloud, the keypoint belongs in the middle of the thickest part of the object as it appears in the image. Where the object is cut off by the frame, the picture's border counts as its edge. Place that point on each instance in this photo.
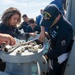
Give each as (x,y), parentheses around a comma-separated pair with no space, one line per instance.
(25,6)
(22,3)
(7,2)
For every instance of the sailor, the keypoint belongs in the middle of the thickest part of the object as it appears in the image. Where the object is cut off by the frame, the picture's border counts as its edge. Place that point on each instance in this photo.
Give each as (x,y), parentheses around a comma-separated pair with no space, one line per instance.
(32,27)
(10,19)
(24,24)
(38,18)
(60,35)
(61,4)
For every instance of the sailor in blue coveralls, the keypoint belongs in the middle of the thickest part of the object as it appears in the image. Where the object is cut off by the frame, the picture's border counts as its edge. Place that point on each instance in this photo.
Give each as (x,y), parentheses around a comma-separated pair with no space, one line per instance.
(60,35)
(61,4)
(10,19)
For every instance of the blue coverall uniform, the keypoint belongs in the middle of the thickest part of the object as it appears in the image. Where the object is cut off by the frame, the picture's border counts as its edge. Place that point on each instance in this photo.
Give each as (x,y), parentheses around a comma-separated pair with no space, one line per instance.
(36,28)
(61,36)
(13,31)
(23,26)
(59,4)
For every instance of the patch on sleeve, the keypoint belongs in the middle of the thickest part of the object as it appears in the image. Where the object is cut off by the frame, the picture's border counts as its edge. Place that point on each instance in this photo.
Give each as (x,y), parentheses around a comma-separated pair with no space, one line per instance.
(63,43)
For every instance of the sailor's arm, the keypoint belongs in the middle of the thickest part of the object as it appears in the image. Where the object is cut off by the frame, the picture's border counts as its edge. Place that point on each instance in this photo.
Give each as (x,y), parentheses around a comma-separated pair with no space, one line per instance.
(42,34)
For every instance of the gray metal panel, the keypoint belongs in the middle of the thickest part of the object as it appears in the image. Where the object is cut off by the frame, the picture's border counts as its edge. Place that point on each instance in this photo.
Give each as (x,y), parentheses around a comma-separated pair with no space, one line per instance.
(70,68)
(72,19)
(3,73)
(71,13)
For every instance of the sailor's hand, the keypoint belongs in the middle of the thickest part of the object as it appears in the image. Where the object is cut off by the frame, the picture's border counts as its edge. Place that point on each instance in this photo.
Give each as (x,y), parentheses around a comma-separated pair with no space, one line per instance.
(42,37)
(46,35)
(32,34)
(46,57)
(7,39)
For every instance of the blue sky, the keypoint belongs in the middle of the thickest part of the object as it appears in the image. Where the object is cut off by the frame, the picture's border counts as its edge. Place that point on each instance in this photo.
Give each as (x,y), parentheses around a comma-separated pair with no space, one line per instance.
(29,7)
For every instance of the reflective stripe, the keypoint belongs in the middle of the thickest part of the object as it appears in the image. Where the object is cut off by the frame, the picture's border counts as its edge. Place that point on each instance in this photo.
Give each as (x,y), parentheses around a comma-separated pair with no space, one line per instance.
(62,58)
